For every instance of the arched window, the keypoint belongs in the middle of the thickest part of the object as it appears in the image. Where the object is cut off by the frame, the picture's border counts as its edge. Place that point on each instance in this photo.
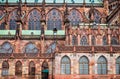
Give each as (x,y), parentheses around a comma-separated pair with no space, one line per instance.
(65,65)
(5,68)
(18,68)
(104,40)
(74,17)
(13,23)
(118,65)
(114,40)
(2,26)
(34,20)
(74,40)
(32,68)
(45,70)
(54,20)
(51,48)
(102,65)
(31,48)
(83,41)
(6,48)
(84,65)
(93,40)
(94,15)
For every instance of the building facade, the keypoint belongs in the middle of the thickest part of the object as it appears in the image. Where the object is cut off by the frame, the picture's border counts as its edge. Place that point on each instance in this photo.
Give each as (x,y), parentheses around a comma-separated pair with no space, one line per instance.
(59,40)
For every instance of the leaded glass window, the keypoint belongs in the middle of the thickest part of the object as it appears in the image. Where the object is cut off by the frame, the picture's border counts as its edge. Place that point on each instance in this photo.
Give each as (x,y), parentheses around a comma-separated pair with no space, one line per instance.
(31,48)
(5,68)
(65,65)
(104,40)
(84,65)
(54,20)
(51,48)
(97,17)
(74,40)
(13,23)
(114,40)
(74,17)
(34,20)
(93,40)
(2,26)
(6,48)
(102,65)
(83,41)
(118,65)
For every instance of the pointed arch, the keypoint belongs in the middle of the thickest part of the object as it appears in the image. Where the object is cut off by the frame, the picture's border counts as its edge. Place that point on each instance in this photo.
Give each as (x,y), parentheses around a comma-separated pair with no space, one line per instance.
(83,41)
(45,70)
(93,40)
(94,15)
(32,68)
(5,68)
(102,65)
(54,19)
(74,40)
(12,22)
(84,65)
(104,40)
(34,20)
(18,68)
(75,17)
(6,47)
(65,65)
(118,65)
(114,40)
(51,48)
(31,48)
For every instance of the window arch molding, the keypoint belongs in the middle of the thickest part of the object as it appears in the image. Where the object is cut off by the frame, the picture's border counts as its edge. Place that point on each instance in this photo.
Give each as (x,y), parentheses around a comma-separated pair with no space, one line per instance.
(30,47)
(6,47)
(75,16)
(33,19)
(5,68)
(102,65)
(84,40)
(54,19)
(114,40)
(83,65)
(51,48)
(96,13)
(65,65)
(12,17)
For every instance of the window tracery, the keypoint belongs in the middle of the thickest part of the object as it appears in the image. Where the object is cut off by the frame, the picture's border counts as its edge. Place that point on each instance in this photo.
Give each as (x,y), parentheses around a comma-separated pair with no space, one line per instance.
(12,22)
(84,65)
(54,20)
(6,48)
(31,48)
(102,65)
(65,65)
(74,17)
(34,20)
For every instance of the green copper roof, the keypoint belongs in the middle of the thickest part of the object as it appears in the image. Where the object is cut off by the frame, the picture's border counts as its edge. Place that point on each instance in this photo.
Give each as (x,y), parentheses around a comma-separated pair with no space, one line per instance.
(50,32)
(30,32)
(54,1)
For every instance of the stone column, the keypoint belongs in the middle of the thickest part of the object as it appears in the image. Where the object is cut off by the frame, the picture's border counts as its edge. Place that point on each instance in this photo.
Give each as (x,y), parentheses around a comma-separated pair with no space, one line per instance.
(25,68)
(11,67)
